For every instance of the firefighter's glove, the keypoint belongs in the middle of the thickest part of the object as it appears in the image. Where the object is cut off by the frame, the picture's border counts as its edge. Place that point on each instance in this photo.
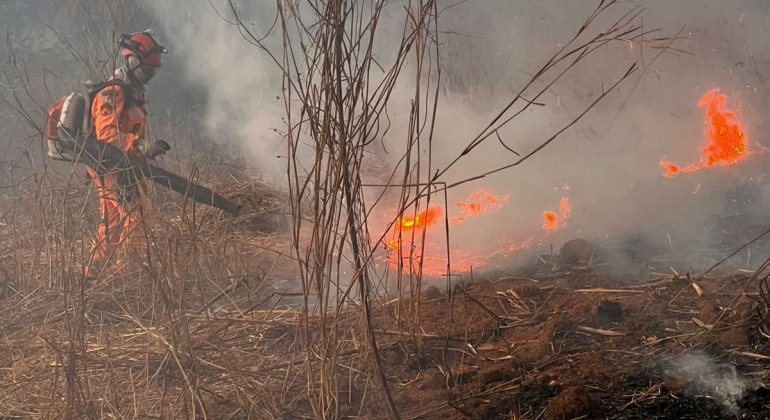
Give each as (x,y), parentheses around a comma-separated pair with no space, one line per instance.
(151,149)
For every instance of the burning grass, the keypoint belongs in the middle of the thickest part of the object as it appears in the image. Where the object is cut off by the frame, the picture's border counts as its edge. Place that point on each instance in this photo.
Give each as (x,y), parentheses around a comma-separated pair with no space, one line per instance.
(404,239)
(727,142)
(200,328)
(208,332)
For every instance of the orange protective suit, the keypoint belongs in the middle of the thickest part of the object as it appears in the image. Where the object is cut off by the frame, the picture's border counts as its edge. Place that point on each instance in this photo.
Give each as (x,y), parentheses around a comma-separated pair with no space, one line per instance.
(119,118)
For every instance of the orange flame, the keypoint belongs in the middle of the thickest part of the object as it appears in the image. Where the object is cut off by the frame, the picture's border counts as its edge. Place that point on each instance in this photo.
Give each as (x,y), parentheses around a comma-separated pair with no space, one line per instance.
(408,252)
(564,207)
(727,141)
(434,261)
(424,218)
(552,220)
(480,202)
(427,217)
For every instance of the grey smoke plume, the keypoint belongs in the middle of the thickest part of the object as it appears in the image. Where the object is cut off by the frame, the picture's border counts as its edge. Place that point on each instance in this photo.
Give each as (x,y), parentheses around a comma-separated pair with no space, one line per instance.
(609,161)
(701,376)
(242,86)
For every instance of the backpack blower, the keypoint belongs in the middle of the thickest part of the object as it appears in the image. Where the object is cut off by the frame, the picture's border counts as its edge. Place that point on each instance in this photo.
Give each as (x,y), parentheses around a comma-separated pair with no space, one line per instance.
(70,138)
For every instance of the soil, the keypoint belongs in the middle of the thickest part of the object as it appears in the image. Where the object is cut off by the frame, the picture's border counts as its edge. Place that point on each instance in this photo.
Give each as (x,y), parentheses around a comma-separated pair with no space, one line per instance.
(548,342)
(577,344)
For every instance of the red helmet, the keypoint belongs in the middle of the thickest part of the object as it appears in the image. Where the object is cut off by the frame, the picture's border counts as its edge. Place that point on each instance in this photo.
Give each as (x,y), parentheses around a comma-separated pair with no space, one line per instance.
(143,46)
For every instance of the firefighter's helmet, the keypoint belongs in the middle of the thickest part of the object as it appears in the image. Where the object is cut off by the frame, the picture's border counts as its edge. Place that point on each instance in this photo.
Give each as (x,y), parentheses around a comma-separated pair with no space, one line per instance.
(144,46)
(142,54)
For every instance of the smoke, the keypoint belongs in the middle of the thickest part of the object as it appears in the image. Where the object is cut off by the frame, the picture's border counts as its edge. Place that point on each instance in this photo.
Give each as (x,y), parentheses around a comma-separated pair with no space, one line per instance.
(610,159)
(700,376)
(241,85)
(607,165)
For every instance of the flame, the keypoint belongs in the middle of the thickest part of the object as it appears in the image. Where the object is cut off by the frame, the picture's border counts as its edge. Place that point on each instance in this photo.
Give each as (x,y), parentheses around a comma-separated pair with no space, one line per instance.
(434,263)
(408,248)
(428,217)
(671,169)
(480,202)
(552,219)
(408,252)
(564,207)
(727,141)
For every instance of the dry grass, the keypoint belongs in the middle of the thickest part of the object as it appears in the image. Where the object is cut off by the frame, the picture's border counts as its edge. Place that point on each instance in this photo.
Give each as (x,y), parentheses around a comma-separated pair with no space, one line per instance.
(171,339)
(194,329)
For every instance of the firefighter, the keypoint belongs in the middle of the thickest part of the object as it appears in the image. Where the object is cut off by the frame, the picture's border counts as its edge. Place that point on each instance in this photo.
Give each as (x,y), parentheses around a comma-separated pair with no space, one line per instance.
(119,118)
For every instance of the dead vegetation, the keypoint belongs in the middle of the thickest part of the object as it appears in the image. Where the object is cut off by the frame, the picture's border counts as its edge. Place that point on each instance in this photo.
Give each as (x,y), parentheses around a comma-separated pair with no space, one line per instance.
(278,313)
(515,344)
(158,327)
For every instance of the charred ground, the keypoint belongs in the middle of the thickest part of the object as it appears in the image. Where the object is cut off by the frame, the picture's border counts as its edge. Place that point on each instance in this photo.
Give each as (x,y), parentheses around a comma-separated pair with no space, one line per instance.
(562,337)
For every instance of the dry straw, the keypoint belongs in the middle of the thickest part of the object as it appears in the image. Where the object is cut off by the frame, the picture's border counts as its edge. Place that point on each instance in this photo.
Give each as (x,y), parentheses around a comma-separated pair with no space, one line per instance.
(193,329)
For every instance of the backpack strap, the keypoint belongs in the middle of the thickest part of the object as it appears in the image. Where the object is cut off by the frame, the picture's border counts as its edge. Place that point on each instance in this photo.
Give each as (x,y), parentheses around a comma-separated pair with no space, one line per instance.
(95,88)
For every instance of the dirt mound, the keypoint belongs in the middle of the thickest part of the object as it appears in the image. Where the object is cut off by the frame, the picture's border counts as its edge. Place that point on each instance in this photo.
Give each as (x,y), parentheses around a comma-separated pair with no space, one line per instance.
(578,251)
(573,402)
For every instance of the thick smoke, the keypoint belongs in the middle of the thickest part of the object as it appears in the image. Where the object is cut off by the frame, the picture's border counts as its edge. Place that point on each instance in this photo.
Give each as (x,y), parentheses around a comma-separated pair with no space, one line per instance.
(607,165)
(241,84)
